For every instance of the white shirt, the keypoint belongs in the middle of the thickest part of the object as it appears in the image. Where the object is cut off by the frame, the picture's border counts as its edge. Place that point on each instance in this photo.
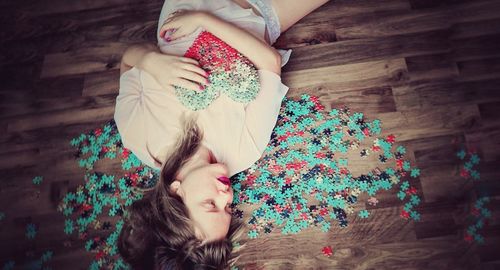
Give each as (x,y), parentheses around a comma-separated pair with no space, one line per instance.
(148,116)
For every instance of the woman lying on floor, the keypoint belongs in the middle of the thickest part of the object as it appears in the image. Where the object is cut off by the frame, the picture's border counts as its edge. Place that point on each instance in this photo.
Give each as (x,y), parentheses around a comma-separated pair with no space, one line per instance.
(199,139)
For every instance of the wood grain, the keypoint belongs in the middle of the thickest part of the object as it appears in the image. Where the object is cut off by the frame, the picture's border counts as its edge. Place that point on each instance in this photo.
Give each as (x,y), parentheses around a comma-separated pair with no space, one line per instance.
(429,70)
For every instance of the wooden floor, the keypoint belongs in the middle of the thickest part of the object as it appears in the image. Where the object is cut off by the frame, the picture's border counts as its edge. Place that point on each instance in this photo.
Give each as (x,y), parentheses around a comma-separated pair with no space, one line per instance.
(429,70)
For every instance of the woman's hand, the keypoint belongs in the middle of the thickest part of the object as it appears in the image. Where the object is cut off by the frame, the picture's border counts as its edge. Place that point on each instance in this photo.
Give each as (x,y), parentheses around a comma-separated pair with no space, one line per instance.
(170,70)
(179,24)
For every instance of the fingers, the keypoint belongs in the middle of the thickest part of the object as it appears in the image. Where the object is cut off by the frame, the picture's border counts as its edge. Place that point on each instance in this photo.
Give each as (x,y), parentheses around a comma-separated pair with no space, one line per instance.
(189,74)
(188,84)
(193,65)
(164,27)
(171,32)
(188,77)
(165,31)
(168,30)
(166,24)
(188,60)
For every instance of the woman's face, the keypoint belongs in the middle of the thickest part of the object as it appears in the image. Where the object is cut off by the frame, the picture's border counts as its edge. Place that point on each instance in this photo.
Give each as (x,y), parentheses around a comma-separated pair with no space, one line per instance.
(207,200)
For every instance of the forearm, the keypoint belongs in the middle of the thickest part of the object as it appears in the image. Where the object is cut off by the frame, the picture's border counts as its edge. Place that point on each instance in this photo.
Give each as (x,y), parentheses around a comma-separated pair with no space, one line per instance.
(262,55)
(135,55)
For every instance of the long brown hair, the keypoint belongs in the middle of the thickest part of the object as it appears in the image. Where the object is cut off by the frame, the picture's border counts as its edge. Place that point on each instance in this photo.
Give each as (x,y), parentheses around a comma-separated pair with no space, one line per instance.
(159,234)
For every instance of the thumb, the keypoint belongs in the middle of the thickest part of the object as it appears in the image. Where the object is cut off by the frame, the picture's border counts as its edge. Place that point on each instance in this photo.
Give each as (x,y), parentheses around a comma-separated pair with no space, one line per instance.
(166,31)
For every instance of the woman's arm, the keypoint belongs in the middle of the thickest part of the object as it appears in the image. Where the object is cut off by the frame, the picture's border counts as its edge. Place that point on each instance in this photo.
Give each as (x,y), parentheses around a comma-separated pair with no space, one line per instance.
(168,70)
(135,56)
(262,55)
(290,12)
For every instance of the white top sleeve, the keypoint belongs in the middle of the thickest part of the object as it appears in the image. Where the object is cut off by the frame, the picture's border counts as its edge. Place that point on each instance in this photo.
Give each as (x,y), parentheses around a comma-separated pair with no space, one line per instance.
(262,113)
(129,115)
(147,116)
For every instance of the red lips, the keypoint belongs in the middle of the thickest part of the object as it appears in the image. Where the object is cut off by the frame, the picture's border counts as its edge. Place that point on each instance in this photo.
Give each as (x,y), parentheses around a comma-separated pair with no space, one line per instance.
(224,180)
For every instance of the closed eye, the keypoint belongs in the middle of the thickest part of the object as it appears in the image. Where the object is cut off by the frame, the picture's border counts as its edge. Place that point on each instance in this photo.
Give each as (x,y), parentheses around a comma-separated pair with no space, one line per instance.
(210,204)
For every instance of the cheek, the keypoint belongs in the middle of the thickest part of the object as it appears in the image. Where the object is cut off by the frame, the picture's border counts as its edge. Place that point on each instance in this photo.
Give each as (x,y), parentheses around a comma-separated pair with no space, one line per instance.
(203,190)
(201,185)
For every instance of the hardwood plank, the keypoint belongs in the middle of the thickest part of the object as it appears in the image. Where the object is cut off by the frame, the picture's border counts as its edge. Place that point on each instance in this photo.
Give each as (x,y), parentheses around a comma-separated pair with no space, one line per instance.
(368,49)
(65,117)
(476,47)
(30,49)
(390,256)
(475,28)
(35,98)
(449,91)
(426,4)
(430,67)
(376,23)
(443,120)
(482,69)
(349,76)
(28,27)
(83,61)
(489,111)
(20,110)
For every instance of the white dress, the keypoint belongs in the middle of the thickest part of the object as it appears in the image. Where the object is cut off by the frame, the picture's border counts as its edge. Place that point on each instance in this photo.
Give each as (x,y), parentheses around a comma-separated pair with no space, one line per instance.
(148,117)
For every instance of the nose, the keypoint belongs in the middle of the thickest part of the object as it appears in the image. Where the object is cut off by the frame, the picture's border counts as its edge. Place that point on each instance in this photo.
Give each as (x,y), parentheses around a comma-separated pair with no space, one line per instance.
(221,168)
(225,196)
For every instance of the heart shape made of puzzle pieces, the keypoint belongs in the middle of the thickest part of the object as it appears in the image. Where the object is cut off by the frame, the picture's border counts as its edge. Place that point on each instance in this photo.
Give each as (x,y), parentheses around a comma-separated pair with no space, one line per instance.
(229,72)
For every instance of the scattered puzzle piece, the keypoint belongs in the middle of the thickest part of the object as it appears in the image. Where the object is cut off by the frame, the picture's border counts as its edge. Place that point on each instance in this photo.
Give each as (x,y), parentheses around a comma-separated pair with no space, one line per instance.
(364,213)
(467,170)
(37,180)
(31,231)
(253,234)
(479,215)
(415,172)
(372,201)
(327,251)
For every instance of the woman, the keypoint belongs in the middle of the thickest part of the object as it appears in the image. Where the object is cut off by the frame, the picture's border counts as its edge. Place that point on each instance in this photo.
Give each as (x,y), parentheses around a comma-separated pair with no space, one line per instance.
(185,220)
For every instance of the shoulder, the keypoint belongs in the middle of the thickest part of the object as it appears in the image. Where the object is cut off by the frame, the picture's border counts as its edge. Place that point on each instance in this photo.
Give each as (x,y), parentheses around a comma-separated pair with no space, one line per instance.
(129,76)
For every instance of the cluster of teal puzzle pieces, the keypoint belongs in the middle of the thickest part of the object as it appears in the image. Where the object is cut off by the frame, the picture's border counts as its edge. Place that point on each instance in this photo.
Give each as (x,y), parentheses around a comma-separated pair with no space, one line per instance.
(302,180)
